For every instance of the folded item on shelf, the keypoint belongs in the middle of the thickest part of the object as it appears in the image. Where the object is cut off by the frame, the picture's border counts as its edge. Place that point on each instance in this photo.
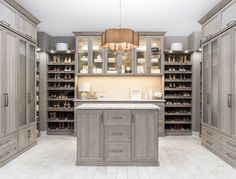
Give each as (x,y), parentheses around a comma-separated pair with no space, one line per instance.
(111,60)
(141,60)
(111,71)
(84,59)
(156,60)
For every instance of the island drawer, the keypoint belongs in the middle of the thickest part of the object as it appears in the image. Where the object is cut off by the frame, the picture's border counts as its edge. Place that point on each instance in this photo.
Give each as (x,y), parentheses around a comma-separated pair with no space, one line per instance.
(7,141)
(229,155)
(117,151)
(117,117)
(117,133)
(211,134)
(8,152)
(227,142)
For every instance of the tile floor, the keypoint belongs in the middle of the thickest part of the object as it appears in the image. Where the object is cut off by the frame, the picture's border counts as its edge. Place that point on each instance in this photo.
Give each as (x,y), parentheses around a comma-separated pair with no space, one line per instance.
(180,158)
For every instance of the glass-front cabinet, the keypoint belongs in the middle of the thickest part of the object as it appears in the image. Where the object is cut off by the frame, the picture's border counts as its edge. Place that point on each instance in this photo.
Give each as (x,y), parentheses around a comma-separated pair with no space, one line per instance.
(83,55)
(97,56)
(93,59)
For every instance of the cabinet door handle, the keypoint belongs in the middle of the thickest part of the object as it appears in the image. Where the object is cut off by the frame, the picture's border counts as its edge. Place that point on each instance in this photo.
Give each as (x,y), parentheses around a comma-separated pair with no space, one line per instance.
(102,119)
(6,99)
(230,100)
(208,98)
(29,134)
(231,23)
(132,118)
(117,117)
(209,133)
(5,23)
(29,98)
(210,143)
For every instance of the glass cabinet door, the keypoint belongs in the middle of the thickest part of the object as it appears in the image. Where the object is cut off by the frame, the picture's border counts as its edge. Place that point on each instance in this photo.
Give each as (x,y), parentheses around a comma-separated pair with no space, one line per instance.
(22,85)
(214,83)
(206,81)
(83,55)
(141,56)
(126,66)
(112,62)
(155,60)
(31,82)
(97,56)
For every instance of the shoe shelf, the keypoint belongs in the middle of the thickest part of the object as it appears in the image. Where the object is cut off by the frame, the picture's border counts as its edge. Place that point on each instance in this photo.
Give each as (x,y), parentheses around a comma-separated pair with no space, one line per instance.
(61,92)
(37,71)
(178,93)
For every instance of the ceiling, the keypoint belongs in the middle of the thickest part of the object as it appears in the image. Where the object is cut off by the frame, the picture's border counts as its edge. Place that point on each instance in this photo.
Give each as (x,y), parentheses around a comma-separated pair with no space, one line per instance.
(62,17)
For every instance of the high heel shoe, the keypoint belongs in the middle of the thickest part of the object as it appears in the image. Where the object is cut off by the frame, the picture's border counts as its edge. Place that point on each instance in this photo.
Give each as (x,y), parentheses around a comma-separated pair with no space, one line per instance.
(66,60)
(69,60)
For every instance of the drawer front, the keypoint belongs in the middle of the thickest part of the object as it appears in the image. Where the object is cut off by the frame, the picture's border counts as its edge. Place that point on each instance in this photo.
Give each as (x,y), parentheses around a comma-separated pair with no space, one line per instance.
(229,143)
(210,134)
(210,143)
(117,133)
(8,141)
(229,155)
(117,117)
(117,151)
(8,152)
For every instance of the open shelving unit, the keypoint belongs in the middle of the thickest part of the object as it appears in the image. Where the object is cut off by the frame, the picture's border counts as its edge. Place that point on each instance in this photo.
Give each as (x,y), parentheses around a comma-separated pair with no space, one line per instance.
(37,93)
(178,93)
(61,92)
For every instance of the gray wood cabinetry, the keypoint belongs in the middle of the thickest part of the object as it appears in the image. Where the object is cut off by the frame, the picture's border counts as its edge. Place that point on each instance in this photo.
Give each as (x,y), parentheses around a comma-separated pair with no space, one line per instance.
(10,82)
(17,85)
(218,129)
(226,81)
(92,59)
(144,130)
(117,137)
(90,145)
(160,104)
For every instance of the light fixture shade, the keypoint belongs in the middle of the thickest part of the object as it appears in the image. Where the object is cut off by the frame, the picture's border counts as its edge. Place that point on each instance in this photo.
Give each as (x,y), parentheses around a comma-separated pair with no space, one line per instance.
(121,39)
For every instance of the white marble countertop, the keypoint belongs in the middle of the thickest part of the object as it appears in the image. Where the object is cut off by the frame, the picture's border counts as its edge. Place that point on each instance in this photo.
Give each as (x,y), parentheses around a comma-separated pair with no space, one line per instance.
(118,100)
(117,106)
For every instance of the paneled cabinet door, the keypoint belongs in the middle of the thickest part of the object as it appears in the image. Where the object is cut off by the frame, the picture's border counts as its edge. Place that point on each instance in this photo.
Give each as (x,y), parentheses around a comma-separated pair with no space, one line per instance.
(206,83)
(21,87)
(144,135)
(1,85)
(10,82)
(234,87)
(30,70)
(228,15)
(90,134)
(211,27)
(226,82)
(8,15)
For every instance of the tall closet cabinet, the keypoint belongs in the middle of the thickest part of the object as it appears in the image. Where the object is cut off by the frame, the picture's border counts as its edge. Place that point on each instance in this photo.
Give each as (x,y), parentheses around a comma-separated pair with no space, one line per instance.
(219,82)
(17,82)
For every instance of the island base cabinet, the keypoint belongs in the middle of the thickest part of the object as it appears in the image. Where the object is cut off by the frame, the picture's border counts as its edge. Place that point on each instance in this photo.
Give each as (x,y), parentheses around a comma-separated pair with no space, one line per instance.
(90,146)
(27,137)
(144,135)
(117,137)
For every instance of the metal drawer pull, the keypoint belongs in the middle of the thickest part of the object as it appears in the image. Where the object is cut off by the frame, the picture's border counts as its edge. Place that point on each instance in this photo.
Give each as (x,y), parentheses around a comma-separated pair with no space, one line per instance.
(209,142)
(233,145)
(231,23)
(5,23)
(209,133)
(4,154)
(209,36)
(28,36)
(117,151)
(230,100)
(117,133)
(5,100)
(117,117)
(5,143)
(230,155)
